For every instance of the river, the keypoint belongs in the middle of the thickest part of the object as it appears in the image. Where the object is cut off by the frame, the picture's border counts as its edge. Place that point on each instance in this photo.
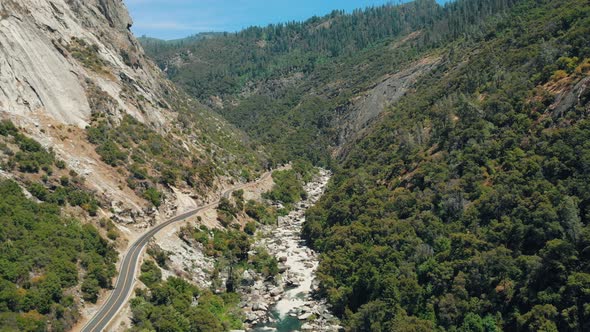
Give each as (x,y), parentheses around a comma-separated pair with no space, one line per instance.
(287,303)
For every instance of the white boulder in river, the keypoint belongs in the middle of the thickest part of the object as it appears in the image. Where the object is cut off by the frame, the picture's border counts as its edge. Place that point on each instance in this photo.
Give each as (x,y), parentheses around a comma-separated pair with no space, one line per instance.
(297,266)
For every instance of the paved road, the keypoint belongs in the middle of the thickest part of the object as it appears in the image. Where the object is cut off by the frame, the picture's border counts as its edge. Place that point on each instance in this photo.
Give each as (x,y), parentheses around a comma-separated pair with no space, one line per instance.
(125,282)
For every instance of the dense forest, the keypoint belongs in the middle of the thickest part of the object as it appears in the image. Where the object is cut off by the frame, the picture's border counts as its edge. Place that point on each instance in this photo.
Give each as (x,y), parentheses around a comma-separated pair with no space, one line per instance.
(285,84)
(47,258)
(220,64)
(171,305)
(466,206)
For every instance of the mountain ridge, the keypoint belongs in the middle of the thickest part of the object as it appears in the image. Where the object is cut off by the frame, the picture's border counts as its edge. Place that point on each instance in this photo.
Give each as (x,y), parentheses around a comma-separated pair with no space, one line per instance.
(68,65)
(313,74)
(463,204)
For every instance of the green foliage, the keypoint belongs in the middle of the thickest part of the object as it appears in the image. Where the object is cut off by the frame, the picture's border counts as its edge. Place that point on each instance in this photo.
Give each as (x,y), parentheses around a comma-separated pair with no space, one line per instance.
(87,54)
(301,76)
(222,63)
(102,135)
(138,172)
(30,322)
(468,205)
(170,306)
(67,193)
(7,128)
(90,290)
(474,323)
(292,127)
(250,228)
(261,212)
(39,254)
(238,196)
(227,212)
(540,318)
(288,188)
(231,244)
(113,234)
(159,255)
(153,196)
(150,274)
(226,219)
(151,159)
(111,154)
(225,205)
(264,263)
(31,157)
(304,169)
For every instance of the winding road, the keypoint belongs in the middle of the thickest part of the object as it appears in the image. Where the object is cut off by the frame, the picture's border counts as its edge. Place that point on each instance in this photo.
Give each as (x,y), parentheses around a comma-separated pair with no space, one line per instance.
(126,279)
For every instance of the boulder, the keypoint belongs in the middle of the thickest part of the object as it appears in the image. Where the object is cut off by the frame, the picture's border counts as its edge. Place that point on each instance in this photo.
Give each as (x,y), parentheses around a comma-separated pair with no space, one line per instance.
(260,306)
(305,316)
(283,268)
(307,327)
(251,317)
(276,291)
(248,278)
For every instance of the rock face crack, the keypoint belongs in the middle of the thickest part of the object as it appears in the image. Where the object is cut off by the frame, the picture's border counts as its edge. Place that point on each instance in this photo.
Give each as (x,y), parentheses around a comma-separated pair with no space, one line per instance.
(35,92)
(55,9)
(104,9)
(111,9)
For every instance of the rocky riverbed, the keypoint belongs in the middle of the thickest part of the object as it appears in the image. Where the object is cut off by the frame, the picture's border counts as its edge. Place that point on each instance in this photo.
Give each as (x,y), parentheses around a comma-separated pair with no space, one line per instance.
(286,303)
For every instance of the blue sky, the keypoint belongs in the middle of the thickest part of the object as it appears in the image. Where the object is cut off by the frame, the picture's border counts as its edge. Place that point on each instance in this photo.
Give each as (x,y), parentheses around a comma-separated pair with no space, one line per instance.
(170,19)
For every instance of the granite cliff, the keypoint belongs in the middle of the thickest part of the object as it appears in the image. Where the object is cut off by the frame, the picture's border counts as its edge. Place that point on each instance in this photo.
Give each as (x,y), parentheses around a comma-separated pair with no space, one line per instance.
(70,65)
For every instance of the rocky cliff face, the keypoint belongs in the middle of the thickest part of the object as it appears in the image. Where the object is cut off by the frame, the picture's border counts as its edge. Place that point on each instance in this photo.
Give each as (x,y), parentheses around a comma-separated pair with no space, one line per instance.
(354,118)
(64,61)
(41,72)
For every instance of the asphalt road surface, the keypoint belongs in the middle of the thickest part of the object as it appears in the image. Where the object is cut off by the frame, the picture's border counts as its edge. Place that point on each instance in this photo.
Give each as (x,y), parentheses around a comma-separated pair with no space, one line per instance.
(126,278)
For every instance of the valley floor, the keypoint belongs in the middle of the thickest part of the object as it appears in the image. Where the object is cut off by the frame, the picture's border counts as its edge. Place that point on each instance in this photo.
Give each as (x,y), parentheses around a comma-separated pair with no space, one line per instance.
(186,261)
(287,302)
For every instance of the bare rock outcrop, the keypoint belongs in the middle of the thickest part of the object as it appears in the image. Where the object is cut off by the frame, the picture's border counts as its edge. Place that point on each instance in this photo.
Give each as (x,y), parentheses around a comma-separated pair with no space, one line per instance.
(61,61)
(354,118)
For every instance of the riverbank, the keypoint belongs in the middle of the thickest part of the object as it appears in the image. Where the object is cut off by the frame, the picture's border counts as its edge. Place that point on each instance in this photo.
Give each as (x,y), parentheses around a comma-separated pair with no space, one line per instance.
(286,302)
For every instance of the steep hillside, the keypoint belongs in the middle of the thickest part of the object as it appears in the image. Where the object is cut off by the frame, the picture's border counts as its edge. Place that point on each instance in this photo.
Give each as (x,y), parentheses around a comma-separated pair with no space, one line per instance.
(75,79)
(92,136)
(460,194)
(50,261)
(467,207)
(306,89)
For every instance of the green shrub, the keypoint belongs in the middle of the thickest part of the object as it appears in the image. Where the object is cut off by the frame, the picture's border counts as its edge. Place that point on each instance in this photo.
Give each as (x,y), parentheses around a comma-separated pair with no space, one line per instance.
(45,253)
(90,290)
(250,228)
(153,196)
(264,263)
(288,187)
(150,274)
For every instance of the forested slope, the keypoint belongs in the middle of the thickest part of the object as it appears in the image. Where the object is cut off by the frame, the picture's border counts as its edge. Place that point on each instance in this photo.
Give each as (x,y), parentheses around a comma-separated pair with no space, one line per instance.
(467,207)
(49,259)
(92,134)
(294,86)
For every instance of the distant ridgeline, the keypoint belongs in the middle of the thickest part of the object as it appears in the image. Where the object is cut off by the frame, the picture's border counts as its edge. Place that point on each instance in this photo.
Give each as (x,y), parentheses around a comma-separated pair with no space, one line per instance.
(465,206)
(285,84)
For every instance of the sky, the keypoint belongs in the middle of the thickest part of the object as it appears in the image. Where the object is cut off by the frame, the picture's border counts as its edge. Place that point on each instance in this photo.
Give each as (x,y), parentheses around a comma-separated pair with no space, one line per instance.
(172,19)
